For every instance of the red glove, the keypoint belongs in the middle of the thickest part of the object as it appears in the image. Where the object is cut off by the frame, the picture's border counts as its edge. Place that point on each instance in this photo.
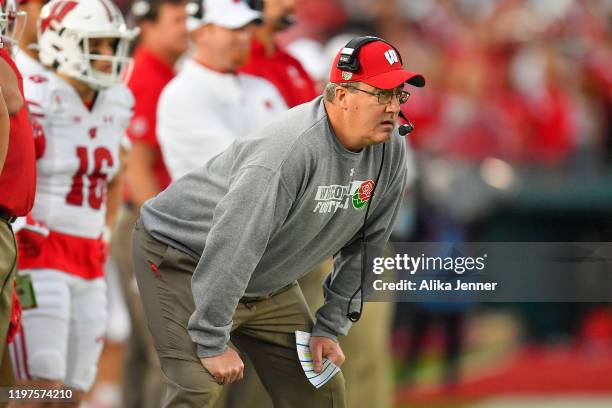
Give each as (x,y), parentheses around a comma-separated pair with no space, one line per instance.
(31,237)
(15,322)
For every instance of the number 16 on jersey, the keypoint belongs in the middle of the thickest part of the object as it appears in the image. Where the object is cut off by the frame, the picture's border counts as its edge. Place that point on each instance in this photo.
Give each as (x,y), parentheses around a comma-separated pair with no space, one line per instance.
(94,182)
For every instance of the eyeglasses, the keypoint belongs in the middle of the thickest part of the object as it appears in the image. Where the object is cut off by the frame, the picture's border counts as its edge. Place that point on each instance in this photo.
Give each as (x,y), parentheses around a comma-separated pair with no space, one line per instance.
(385,96)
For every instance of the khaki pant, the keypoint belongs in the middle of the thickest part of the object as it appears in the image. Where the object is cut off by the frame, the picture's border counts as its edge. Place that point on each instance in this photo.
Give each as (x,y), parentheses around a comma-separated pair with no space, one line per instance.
(8,266)
(142,383)
(264,330)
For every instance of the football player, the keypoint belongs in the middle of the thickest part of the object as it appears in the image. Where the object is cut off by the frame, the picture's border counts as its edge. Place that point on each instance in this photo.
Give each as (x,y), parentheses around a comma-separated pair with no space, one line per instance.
(83,110)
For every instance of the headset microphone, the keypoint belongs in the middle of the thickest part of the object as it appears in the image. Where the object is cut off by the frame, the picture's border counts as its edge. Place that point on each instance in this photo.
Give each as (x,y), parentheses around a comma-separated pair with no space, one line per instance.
(406,128)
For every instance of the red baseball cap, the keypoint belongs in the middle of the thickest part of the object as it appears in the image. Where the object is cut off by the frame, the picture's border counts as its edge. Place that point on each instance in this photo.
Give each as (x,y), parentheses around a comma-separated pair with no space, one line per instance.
(379,66)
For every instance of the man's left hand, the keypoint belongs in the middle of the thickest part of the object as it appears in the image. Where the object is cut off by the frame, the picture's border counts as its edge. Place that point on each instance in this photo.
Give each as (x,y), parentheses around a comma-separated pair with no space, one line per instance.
(323,347)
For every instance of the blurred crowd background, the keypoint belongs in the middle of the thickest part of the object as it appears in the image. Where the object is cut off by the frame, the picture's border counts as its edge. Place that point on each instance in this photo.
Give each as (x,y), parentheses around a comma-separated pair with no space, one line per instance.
(513,142)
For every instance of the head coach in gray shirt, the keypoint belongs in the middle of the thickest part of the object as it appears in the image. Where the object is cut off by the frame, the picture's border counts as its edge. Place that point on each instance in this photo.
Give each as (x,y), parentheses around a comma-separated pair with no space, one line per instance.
(217,254)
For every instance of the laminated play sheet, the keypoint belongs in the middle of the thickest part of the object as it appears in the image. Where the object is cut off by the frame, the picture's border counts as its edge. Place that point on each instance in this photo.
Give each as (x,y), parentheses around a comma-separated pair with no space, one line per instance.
(302,341)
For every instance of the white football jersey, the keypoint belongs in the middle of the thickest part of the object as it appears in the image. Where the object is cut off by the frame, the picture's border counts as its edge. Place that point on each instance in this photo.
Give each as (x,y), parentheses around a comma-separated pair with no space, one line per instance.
(28,66)
(81,154)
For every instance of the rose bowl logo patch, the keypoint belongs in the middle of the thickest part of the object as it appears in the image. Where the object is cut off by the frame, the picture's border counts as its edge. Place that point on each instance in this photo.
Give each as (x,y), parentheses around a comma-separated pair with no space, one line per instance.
(334,197)
(347,75)
(363,194)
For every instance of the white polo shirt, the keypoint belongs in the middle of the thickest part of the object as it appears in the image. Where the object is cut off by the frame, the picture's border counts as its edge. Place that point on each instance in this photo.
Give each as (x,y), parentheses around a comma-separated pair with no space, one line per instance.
(202,111)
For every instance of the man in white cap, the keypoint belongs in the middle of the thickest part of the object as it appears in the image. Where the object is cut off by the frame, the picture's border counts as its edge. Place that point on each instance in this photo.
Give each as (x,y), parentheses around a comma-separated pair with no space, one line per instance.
(208,104)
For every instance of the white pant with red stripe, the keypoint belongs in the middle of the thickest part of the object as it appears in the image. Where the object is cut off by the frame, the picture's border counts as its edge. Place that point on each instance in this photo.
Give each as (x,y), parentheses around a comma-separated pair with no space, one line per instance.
(62,338)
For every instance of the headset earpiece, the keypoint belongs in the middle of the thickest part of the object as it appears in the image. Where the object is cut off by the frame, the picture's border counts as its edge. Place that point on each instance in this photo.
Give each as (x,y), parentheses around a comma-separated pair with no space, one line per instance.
(349,56)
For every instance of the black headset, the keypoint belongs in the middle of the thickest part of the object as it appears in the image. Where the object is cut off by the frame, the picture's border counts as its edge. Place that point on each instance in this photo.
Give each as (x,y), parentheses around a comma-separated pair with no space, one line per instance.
(356,315)
(349,61)
(349,56)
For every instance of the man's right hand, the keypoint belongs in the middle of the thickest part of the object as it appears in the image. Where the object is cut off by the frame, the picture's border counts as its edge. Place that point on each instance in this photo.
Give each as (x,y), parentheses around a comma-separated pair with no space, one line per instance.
(225,368)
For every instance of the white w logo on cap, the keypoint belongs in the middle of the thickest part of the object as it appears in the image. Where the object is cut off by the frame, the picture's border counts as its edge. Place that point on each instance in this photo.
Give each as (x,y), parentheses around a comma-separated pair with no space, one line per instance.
(391,57)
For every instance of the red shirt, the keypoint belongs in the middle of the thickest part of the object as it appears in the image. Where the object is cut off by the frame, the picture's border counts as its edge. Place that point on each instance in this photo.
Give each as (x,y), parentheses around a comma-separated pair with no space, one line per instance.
(149,77)
(284,71)
(18,178)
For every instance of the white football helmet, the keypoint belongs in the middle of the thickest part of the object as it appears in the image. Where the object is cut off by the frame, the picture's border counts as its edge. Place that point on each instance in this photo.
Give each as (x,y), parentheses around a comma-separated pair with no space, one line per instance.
(64,30)
(9,15)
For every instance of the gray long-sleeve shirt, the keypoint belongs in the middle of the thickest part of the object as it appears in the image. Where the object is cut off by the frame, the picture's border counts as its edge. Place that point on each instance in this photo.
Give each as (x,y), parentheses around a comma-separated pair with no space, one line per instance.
(268,209)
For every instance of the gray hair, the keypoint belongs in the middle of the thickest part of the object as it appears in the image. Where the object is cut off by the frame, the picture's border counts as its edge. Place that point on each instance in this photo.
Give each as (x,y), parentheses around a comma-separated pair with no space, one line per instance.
(330,91)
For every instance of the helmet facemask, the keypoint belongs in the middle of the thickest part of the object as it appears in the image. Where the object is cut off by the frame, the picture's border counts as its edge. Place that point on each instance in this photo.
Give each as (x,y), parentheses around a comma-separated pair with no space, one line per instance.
(119,62)
(12,23)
